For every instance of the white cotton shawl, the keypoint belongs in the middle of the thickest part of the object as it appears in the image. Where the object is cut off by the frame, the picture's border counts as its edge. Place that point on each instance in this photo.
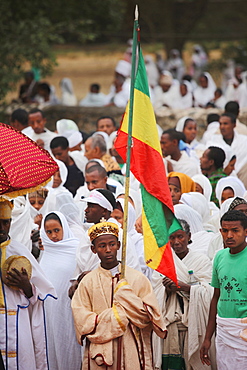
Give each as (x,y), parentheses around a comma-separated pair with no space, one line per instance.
(232,182)
(42,211)
(202,268)
(63,174)
(58,263)
(22,222)
(188,214)
(136,238)
(199,203)
(204,182)
(200,238)
(203,95)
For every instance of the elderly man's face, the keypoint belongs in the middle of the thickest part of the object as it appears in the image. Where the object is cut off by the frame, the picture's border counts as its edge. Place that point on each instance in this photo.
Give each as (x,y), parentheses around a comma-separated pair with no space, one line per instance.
(89,150)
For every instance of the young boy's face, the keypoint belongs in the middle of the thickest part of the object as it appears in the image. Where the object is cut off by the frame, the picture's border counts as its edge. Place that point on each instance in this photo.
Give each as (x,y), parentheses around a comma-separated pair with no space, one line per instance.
(106,247)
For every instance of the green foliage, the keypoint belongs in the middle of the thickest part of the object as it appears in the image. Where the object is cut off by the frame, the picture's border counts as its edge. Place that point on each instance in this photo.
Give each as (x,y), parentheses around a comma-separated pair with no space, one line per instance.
(24,38)
(30,28)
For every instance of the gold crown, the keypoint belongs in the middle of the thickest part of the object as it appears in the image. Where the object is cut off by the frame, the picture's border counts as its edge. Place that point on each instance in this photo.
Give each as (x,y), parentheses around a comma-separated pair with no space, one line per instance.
(5,208)
(103,228)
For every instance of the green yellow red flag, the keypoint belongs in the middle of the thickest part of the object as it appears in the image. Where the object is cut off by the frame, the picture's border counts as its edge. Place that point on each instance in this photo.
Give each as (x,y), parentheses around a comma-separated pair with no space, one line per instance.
(146,164)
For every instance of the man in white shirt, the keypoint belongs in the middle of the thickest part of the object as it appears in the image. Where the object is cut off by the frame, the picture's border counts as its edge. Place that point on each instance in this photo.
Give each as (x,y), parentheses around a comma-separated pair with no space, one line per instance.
(229,137)
(180,160)
(40,134)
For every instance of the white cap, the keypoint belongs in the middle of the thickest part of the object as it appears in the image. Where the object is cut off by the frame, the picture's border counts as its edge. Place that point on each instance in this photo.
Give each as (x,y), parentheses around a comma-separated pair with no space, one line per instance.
(123,68)
(75,139)
(66,127)
(96,197)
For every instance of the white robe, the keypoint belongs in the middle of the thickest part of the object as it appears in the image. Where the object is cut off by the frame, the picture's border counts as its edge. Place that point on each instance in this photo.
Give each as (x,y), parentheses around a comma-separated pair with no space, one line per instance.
(238,146)
(58,263)
(25,337)
(46,136)
(195,314)
(187,165)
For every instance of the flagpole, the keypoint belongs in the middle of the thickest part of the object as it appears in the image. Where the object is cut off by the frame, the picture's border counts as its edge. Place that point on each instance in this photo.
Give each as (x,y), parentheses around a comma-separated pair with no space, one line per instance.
(127,176)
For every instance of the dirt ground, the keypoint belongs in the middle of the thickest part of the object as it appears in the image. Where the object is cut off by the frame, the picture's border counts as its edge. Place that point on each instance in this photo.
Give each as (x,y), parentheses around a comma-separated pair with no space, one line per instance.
(91,65)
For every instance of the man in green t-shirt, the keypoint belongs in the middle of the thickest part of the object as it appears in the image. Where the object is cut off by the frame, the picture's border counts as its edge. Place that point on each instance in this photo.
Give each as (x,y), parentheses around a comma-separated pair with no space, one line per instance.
(228,309)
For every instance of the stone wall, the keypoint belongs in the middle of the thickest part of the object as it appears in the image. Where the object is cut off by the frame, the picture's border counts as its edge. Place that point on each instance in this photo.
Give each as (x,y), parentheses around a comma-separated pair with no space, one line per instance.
(86,117)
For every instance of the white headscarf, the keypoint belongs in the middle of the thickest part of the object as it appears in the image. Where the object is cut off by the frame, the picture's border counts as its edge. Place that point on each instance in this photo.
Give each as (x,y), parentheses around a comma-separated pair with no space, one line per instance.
(63,174)
(204,182)
(200,237)
(75,139)
(204,95)
(234,183)
(181,123)
(198,202)
(22,222)
(42,211)
(188,214)
(66,127)
(136,237)
(225,206)
(68,241)
(66,85)
(58,263)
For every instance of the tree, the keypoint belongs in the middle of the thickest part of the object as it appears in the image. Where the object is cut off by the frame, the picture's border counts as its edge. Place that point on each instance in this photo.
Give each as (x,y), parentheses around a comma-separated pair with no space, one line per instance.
(29,30)
(170,21)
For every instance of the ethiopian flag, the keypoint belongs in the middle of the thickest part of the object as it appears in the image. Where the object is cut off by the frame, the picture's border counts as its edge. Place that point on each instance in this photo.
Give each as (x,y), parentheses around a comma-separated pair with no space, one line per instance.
(158,220)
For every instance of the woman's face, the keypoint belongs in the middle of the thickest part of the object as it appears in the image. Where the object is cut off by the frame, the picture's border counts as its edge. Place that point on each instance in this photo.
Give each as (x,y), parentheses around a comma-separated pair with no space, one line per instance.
(230,167)
(190,131)
(226,193)
(54,230)
(199,189)
(179,243)
(118,215)
(56,180)
(36,201)
(175,189)
(203,82)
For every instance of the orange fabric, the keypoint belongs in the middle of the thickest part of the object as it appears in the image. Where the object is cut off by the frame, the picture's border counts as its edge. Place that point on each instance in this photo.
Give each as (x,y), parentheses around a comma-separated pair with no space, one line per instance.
(187,184)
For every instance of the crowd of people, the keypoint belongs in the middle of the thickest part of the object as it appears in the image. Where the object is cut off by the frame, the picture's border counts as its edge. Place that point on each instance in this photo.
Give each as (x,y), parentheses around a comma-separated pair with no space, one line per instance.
(68,307)
(171,85)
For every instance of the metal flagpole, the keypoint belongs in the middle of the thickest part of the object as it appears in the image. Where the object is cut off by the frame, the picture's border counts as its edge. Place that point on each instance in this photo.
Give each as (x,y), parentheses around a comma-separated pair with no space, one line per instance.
(127,177)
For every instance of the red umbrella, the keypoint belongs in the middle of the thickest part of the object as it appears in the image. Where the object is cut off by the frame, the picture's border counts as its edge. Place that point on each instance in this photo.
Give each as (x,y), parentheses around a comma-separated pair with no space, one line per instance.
(24,166)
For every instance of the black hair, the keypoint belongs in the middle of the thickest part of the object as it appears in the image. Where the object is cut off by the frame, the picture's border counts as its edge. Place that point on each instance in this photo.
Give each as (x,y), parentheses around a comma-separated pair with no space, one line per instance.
(109,196)
(217,155)
(29,74)
(187,78)
(21,116)
(219,90)
(45,87)
(95,86)
(107,117)
(188,120)
(203,75)
(230,115)
(97,167)
(36,110)
(59,141)
(174,135)
(232,107)
(235,216)
(52,216)
(212,117)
